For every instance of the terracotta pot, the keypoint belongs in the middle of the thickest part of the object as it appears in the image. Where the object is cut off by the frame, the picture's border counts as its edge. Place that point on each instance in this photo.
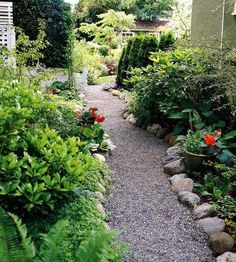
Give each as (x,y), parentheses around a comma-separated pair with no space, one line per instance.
(195,161)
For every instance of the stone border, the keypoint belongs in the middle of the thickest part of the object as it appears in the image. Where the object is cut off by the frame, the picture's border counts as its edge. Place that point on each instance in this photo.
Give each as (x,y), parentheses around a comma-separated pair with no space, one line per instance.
(219,241)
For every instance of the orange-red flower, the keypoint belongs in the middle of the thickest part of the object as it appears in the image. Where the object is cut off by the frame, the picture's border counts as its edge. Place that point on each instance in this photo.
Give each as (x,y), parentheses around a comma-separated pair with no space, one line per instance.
(93,115)
(210,140)
(218,132)
(100,119)
(94,109)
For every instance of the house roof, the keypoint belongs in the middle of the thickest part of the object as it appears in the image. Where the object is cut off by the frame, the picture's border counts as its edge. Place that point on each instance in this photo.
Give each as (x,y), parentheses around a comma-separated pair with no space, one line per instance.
(149,25)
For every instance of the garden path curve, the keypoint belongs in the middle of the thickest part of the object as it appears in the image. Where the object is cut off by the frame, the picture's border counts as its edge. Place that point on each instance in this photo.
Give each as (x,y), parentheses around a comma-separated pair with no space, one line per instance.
(156,227)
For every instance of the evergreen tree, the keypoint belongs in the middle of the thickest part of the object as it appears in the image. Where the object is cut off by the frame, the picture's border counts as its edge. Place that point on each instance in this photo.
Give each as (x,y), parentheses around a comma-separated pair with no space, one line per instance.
(167,41)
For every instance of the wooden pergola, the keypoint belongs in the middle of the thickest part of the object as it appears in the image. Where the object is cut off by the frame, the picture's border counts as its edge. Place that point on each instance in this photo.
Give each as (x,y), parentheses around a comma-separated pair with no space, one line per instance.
(7,32)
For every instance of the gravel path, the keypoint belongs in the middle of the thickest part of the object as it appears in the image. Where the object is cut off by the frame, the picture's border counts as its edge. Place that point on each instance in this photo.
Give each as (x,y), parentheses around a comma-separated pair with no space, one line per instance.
(156,227)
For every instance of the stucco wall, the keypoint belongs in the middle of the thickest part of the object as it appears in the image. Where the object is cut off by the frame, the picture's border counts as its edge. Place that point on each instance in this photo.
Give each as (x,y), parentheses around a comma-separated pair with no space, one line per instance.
(206,22)
(230,27)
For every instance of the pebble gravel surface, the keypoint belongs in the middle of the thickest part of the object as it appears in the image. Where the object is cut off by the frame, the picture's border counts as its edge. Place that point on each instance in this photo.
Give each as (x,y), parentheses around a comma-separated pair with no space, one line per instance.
(142,207)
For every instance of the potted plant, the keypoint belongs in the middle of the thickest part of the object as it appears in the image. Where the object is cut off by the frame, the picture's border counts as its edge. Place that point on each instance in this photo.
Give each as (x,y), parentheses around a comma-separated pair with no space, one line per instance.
(205,145)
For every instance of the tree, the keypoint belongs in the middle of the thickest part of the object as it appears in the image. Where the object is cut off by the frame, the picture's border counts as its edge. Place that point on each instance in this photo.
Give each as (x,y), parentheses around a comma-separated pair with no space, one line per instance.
(88,10)
(58,26)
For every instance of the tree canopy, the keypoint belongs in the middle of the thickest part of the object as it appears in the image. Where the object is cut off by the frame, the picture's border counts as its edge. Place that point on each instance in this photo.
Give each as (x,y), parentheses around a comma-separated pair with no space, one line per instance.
(88,10)
(58,20)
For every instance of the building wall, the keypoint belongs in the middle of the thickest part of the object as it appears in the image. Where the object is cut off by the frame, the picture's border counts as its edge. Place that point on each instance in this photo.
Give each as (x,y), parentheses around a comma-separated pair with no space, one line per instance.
(230,26)
(206,22)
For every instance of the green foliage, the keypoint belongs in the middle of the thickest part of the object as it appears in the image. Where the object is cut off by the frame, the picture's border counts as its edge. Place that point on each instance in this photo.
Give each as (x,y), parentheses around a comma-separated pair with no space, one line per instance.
(135,55)
(179,82)
(58,17)
(15,245)
(95,248)
(225,207)
(167,41)
(193,141)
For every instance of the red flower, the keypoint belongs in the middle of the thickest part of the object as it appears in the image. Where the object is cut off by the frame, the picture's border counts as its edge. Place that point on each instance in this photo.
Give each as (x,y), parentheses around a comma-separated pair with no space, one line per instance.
(210,140)
(94,109)
(100,119)
(218,132)
(93,115)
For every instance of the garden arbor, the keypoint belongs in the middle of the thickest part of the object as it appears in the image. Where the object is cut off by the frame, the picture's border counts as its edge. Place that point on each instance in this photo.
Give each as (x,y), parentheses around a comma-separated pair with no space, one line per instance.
(7,33)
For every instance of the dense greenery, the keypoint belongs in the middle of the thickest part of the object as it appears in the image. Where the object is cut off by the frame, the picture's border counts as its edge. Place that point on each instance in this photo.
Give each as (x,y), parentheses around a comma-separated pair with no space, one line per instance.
(88,10)
(58,18)
(136,54)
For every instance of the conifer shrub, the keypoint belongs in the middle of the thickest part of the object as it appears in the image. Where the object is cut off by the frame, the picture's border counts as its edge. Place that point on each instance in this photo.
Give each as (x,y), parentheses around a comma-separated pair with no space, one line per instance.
(167,41)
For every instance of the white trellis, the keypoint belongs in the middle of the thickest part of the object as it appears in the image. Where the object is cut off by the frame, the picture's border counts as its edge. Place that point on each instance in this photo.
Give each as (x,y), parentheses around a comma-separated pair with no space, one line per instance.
(7,32)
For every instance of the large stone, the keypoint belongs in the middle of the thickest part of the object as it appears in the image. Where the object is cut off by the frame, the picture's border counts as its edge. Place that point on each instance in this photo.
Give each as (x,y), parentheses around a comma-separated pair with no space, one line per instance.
(182,184)
(221,242)
(100,157)
(153,128)
(188,198)
(227,257)
(131,119)
(212,225)
(126,114)
(204,210)
(161,133)
(174,167)
(100,197)
(101,188)
(179,176)
(174,150)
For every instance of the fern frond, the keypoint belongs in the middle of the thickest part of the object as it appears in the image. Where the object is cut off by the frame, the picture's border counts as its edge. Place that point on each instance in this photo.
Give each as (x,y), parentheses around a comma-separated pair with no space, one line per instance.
(28,248)
(51,250)
(10,247)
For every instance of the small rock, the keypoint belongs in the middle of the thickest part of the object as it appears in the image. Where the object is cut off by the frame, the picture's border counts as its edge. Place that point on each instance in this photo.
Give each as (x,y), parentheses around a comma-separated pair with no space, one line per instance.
(153,128)
(115,93)
(182,184)
(227,257)
(212,225)
(180,176)
(169,158)
(161,133)
(101,210)
(188,198)
(221,242)
(131,119)
(204,210)
(100,157)
(106,87)
(101,188)
(174,150)
(106,226)
(174,167)
(126,114)
(114,85)
(100,197)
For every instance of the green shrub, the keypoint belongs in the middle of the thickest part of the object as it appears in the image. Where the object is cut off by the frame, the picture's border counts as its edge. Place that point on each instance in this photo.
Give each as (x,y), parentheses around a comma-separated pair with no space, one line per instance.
(180,82)
(134,51)
(104,50)
(167,41)
(119,79)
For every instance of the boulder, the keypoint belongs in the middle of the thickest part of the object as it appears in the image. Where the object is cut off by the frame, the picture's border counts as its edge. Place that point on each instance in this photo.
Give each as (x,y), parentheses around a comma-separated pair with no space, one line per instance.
(100,157)
(188,198)
(174,150)
(221,242)
(182,184)
(106,87)
(227,257)
(153,128)
(101,188)
(179,176)
(174,167)
(212,225)
(162,132)
(204,210)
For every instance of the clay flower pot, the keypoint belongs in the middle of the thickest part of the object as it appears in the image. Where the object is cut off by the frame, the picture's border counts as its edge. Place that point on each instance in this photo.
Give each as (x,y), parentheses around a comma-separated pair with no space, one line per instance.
(194,161)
